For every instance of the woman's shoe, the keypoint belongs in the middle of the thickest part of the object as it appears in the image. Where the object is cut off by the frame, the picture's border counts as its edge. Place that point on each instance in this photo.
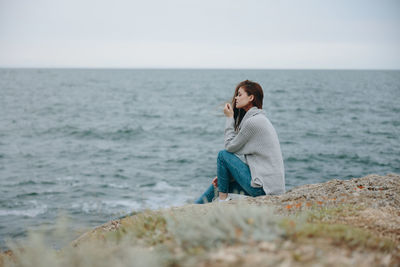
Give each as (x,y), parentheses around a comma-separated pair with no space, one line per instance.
(228,198)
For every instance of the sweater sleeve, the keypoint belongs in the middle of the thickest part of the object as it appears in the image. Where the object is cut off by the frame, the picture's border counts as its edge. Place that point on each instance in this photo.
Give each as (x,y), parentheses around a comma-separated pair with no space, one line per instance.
(235,141)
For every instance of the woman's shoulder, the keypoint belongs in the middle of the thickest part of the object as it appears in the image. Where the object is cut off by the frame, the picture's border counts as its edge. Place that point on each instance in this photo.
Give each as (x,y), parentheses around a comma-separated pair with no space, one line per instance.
(260,116)
(254,118)
(258,121)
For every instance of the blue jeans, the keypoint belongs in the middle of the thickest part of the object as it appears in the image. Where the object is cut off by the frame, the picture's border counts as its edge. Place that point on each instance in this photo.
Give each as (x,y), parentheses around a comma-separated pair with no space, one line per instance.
(233,177)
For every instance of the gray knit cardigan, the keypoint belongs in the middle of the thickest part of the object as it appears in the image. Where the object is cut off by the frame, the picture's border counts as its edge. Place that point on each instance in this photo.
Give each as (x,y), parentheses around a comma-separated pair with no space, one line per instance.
(257,140)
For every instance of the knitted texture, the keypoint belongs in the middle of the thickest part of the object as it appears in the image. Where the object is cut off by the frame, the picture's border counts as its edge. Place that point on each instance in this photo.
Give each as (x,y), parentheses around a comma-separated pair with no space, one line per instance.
(257,140)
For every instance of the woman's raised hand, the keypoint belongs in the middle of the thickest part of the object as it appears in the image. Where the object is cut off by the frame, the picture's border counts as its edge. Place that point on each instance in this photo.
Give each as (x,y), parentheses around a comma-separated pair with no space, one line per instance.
(228,110)
(215,182)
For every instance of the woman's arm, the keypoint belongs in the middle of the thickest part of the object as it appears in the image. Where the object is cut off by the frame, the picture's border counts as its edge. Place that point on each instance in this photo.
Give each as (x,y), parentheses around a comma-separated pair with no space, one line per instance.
(235,141)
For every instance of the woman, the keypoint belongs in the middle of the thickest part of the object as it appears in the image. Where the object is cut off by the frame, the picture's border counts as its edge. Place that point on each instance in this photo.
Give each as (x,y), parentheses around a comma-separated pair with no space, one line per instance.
(251,163)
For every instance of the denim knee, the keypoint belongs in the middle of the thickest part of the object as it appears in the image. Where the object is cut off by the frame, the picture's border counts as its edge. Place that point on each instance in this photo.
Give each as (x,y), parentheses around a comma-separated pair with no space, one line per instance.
(222,154)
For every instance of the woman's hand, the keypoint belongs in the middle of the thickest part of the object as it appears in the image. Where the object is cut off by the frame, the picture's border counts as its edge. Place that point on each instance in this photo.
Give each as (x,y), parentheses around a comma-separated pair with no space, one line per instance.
(215,182)
(228,110)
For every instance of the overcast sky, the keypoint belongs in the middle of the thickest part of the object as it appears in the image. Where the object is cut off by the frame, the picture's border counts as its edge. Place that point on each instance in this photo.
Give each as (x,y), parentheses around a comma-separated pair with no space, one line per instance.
(299,34)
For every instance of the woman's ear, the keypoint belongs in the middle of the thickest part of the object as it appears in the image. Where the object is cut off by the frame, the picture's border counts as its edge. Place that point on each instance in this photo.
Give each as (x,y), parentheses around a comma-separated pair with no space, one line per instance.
(251,98)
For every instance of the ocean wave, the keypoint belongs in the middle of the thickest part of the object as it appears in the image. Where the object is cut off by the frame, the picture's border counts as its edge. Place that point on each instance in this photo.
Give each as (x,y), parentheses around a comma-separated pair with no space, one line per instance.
(190,130)
(33,194)
(163,186)
(298,159)
(120,134)
(328,157)
(179,161)
(48,183)
(106,206)
(147,185)
(32,212)
(278,91)
(125,133)
(27,194)
(93,194)
(112,185)
(312,134)
(288,142)
(120,176)
(157,201)
(131,205)
(69,181)
(68,84)
(28,182)
(150,116)
(158,186)
(350,157)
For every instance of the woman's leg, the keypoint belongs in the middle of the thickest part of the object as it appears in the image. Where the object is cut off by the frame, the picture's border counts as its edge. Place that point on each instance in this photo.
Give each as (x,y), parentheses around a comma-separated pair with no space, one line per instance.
(233,177)
(207,196)
(229,166)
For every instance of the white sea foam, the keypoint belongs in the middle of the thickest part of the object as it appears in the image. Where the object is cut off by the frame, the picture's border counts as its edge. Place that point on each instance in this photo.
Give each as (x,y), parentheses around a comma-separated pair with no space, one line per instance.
(33,212)
(121,186)
(128,204)
(107,206)
(65,178)
(163,186)
(87,207)
(157,201)
(70,181)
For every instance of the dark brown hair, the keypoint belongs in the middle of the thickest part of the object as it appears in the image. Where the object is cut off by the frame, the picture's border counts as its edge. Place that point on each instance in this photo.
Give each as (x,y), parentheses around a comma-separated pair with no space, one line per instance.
(251,88)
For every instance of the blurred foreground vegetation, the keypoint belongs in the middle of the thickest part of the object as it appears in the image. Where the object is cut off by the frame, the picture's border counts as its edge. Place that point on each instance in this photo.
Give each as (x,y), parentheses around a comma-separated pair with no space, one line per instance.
(233,234)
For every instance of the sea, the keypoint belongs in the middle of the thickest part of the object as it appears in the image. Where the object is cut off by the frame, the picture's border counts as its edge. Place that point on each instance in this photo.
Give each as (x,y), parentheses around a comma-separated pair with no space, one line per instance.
(92,145)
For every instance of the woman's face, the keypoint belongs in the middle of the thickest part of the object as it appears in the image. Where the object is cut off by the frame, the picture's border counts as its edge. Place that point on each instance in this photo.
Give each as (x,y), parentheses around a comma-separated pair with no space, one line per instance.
(243,100)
